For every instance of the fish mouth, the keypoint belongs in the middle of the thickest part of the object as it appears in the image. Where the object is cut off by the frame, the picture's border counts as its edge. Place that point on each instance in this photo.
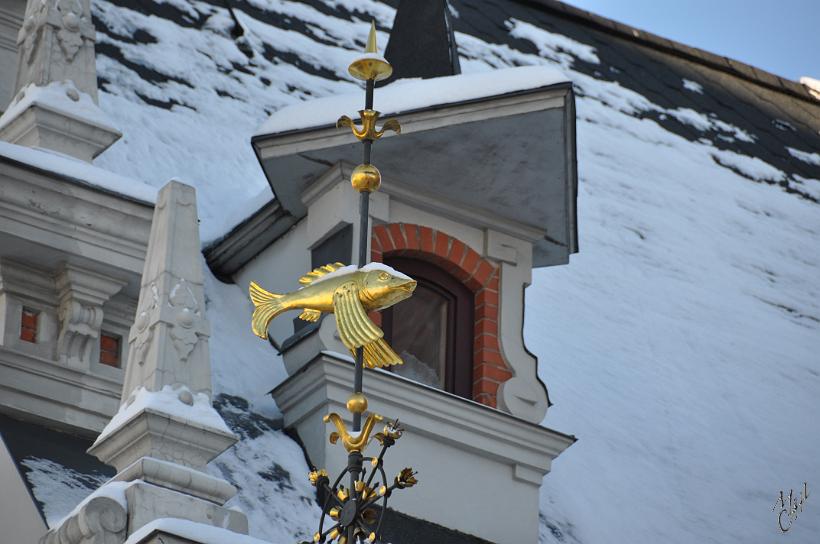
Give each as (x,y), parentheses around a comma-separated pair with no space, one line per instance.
(408,287)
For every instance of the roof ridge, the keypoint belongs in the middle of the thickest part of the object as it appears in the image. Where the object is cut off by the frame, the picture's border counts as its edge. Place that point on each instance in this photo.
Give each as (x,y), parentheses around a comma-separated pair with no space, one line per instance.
(701,56)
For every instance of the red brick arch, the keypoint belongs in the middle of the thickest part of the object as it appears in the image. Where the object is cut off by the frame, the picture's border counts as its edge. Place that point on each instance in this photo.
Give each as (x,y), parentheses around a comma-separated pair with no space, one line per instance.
(480,275)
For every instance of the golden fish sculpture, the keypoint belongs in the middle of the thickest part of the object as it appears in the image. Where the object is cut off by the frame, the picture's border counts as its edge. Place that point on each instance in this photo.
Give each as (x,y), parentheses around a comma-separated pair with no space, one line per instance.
(347,291)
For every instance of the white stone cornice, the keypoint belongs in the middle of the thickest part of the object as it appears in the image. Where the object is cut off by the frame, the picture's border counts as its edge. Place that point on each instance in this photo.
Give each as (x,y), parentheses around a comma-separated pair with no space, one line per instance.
(194,482)
(25,281)
(494,450)
(44,126)
(460,421)
(35,387)
(416,121)
(10,22)
(72,220)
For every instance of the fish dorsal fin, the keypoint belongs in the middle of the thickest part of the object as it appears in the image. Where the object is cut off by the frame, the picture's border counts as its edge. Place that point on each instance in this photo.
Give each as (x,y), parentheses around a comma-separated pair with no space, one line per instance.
(317,273)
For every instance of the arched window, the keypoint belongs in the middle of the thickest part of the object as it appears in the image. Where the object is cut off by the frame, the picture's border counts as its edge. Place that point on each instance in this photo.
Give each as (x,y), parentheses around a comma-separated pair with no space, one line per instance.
(433,330)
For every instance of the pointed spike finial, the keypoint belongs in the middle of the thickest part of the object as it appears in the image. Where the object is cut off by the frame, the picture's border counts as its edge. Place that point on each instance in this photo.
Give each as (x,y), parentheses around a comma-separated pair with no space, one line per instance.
(371,39)
(371,66)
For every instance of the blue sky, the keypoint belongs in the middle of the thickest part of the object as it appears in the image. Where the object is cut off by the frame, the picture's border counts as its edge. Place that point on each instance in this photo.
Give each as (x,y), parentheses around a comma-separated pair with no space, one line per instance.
(781,36)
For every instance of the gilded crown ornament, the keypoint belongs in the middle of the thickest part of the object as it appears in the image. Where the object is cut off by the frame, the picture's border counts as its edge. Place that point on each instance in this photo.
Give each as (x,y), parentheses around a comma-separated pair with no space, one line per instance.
(353,513)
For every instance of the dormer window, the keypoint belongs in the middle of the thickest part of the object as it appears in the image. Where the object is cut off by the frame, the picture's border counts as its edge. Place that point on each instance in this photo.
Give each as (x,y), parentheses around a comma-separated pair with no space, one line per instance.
(433,330)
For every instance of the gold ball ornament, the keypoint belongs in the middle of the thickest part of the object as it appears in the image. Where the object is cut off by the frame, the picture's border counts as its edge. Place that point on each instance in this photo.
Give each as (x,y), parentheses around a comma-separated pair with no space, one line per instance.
(357,403)
(366,177)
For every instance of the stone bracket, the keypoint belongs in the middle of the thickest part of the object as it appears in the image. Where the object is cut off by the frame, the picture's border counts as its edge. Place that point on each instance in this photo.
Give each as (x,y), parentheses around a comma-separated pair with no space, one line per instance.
(81,295)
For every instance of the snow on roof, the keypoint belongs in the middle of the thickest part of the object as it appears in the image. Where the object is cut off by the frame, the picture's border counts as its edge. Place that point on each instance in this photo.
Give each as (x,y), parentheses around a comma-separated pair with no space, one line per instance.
(60,489)
(414,94)
(63,165)
(59,96)
(805,156)
(812,84)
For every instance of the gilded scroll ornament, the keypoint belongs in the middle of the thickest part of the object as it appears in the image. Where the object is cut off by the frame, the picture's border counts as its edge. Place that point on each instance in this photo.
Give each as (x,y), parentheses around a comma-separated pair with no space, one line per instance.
(368,130)
(352,442)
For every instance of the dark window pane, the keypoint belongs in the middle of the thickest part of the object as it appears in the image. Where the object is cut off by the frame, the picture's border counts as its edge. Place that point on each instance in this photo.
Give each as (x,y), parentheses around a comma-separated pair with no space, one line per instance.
(421,337)
(28,325)
(433,330)
(336,248)
(110,349)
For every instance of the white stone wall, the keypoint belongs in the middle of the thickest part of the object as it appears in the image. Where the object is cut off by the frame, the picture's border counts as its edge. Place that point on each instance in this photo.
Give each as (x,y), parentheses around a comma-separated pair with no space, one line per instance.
(75,255)
(11,18)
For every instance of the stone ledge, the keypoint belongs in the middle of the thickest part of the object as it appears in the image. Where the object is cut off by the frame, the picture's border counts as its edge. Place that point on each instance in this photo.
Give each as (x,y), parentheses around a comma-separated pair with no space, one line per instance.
(42,126)
(178,478)
(148,503)
(76,222)
(151,433)
(28,383)
(424,409)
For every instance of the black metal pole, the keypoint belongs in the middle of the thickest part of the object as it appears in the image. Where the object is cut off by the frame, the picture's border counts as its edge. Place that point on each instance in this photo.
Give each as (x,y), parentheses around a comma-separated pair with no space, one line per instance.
(364,222)
(354,460)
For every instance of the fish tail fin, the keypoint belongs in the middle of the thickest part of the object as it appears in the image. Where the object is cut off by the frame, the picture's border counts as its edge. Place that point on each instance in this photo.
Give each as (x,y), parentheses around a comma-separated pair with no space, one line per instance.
(267,306)
(379,354)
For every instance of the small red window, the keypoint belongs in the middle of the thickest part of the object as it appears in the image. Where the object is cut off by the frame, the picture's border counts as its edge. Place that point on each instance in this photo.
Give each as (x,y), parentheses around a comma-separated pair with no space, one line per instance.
(28,325)
(110,349)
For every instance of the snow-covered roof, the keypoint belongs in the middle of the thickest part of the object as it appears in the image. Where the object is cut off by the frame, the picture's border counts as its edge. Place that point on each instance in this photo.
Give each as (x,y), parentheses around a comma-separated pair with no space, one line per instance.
(410,95)
(812,84)
(681,343)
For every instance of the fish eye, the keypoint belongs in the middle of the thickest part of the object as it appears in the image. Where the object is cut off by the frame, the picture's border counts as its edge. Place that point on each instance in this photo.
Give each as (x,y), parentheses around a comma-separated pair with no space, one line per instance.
(384,276)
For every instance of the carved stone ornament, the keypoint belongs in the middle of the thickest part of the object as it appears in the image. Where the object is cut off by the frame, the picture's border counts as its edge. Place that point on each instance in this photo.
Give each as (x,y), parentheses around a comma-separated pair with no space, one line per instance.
(79,331)
(145,333)
(101,520)
(186,317)
(33,30)
(82,293)
(69,35)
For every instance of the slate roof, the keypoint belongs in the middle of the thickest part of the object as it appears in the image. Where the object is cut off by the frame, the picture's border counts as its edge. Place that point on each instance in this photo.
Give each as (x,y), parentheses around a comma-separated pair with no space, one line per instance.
(778,113)
(42,453)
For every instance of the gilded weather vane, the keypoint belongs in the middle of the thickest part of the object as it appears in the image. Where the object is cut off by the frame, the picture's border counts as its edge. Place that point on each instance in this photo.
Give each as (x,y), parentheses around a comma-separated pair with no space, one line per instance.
(355,512)
(347,291)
